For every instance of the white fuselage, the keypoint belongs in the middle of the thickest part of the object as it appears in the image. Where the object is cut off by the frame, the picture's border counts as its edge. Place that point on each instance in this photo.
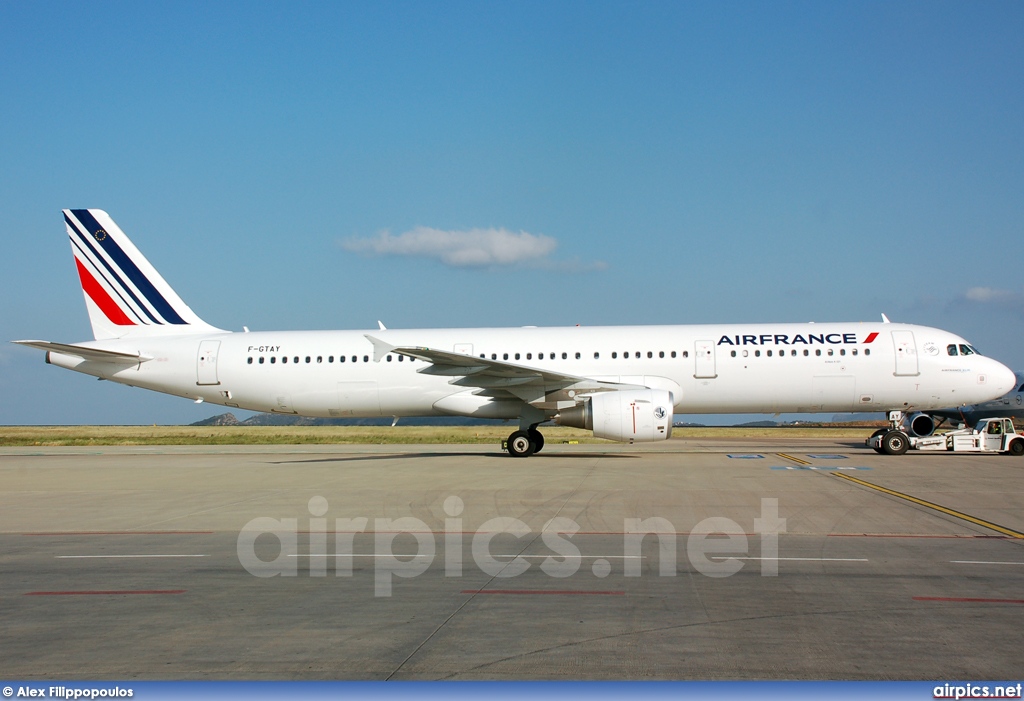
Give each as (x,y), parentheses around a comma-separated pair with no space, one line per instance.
(753,368)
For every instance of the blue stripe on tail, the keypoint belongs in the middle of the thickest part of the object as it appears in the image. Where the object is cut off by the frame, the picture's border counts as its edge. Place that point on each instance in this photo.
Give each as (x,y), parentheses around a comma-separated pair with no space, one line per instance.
(113,279)
(128,267)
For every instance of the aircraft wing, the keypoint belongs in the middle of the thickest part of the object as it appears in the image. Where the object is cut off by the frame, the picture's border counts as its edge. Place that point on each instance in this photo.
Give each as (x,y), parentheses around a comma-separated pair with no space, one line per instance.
(500,378)
(93,354)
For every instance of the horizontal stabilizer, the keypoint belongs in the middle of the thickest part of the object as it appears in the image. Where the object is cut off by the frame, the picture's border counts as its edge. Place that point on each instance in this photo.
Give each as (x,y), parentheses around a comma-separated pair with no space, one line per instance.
(93,354)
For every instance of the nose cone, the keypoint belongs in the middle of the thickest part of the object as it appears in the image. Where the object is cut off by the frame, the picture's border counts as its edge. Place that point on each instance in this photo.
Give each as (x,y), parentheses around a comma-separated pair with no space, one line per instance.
(1001,378)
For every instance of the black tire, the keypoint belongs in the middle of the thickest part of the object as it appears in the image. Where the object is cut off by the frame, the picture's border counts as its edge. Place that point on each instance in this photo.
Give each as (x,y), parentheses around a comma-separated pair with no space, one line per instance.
(879,432)
(1017,447)
(537,439)
(520,445)
(895,443)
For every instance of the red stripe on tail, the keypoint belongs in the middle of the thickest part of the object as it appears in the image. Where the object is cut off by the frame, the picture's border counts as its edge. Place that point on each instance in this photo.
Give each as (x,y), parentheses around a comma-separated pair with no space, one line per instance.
(98,295)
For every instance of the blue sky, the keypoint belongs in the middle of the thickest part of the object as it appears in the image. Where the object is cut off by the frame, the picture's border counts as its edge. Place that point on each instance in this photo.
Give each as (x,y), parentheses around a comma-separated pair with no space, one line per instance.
(668,162)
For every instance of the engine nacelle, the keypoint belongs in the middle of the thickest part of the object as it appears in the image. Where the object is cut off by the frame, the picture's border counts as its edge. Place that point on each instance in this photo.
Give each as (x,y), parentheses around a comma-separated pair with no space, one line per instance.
(630,416)
(920,424)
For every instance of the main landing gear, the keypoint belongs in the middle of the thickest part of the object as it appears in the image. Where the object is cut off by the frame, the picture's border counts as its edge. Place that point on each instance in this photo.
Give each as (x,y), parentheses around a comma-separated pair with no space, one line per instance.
(523,444)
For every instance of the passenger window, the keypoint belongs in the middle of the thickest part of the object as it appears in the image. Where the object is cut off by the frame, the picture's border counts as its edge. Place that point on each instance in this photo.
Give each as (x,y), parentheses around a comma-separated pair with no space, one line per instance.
(273,359)
(793,352)
(284,359)
(250,361)
(564,356)
(494,356)
(745,353)
(296,359)
(768,353)
(355,358)
(867,351)
(389,358)
(817,351)
(732,353)
(661,354)
(577,355)
(686,354)
(855,351)
(308,359)
(341,359)
(965,350)
(529,356)
(401,358)
(517,356)
(366,358)
(261,360)
(951,349)
(673,354)
(596,355)
(757,354)
(614,355)
(830,351)
(842,351)
(504,356)
(806,352)
(650,354)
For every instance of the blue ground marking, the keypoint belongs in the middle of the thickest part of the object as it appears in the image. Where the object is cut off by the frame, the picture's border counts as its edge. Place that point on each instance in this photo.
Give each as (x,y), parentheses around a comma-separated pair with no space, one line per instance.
(827,456)
(813,467)
(742,456)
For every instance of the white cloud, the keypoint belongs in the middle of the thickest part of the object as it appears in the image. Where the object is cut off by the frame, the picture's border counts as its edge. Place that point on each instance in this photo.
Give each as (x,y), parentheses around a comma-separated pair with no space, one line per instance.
(1003,301)
(988,294)
(474,248)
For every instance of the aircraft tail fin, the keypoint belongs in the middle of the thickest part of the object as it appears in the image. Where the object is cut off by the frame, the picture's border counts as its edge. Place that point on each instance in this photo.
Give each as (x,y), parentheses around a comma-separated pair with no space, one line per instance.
(124,293)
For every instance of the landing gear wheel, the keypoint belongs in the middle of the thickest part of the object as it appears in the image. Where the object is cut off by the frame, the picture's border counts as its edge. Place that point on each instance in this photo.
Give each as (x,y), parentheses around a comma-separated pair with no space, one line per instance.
(520,445)
(877,433)
(1017,447)
(537,439)
(895,443)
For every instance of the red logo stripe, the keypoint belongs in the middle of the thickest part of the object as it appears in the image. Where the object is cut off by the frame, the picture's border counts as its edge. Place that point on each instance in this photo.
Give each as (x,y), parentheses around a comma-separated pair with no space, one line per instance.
(98,295)
(871,337)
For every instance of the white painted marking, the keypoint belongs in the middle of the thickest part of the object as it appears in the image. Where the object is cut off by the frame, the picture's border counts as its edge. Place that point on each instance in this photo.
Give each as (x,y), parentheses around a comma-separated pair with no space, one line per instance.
(89,557)
(794,559)
(983,562)
(571,557)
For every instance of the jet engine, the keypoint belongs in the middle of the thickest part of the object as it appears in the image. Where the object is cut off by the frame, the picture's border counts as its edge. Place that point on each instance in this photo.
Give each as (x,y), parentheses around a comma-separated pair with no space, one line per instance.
(630,416)
(920,424)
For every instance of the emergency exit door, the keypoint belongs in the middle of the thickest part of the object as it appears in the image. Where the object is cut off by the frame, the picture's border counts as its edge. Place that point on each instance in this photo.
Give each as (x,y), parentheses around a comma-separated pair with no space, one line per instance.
(206,365)
(704,356)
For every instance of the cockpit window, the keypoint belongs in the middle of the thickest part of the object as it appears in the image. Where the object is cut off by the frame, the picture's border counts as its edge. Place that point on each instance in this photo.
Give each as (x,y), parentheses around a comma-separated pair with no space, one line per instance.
(951,349)
(966,349)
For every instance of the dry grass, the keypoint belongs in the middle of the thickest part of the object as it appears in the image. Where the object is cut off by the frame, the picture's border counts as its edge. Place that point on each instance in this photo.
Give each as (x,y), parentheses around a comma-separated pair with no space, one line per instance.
(299,435)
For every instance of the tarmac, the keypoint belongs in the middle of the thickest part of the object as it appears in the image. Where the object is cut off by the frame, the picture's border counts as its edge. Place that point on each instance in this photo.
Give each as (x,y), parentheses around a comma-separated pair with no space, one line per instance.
(690,559)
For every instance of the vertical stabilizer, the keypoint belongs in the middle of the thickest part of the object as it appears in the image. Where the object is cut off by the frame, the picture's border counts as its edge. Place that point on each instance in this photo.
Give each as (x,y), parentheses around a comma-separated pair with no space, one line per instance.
(124,294)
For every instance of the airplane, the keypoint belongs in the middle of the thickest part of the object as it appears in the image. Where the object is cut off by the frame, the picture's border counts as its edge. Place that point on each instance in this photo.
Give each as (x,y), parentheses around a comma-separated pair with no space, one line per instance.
(1010,405)
(623,383)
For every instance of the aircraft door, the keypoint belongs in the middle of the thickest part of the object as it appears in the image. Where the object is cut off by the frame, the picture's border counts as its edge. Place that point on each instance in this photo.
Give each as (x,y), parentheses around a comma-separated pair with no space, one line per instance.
(704,357)
(906,353)
(206,364)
